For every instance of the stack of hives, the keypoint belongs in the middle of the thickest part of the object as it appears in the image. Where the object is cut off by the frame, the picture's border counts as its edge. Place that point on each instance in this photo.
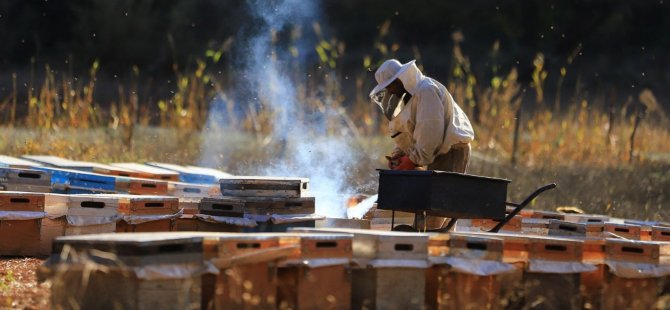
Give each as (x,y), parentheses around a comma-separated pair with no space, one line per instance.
(274,203)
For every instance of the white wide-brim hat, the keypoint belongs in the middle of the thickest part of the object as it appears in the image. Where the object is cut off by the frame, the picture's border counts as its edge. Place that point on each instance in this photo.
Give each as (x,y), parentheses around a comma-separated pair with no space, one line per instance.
(387,73)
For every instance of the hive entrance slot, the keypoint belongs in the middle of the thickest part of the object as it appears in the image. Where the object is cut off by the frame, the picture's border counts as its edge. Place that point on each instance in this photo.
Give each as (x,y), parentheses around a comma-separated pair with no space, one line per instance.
(93,204)
(28,175)
(149,185)
(567,227)
(632,249)
(476,246)
(191,190)
(19,200)
(404,247)
(248,245)
(555,247)
(326,244)
(154,204)
(218,206)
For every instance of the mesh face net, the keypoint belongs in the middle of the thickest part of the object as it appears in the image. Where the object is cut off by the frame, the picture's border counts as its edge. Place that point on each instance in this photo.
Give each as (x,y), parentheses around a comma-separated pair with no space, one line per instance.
(390,104)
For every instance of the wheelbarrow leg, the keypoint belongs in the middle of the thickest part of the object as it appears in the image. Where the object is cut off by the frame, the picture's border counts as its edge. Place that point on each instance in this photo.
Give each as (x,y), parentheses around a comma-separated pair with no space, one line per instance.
(521,205)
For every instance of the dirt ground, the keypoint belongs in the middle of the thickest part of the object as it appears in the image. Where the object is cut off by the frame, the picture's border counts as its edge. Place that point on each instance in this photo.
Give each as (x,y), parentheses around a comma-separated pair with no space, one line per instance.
(18,284)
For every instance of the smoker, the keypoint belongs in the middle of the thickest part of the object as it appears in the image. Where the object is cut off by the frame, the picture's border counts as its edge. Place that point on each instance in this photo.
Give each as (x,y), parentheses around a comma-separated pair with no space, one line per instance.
(448,194)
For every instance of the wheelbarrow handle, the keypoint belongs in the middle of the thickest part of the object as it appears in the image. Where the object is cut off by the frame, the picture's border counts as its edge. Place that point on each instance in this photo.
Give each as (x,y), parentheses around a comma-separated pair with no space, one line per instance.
(522,205)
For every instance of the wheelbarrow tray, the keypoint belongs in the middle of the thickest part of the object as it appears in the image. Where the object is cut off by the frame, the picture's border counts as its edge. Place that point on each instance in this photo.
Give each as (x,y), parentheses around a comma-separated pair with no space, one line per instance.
(446,194)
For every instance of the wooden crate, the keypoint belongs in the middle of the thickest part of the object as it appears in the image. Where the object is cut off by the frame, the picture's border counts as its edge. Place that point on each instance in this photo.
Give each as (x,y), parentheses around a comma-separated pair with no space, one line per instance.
(628,231)
(149,172)
(222,206)
(257,186)
(391,268)
(21,237)
(79,279)
(593,282)
(316,274)
(25,180)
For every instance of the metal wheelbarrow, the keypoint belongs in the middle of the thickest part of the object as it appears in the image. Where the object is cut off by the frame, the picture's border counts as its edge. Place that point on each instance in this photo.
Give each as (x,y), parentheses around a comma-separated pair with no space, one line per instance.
(447,194)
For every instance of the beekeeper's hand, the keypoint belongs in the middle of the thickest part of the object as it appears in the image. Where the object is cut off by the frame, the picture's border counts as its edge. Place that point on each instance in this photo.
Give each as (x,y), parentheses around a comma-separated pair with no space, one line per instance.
(394,160)
(405,164)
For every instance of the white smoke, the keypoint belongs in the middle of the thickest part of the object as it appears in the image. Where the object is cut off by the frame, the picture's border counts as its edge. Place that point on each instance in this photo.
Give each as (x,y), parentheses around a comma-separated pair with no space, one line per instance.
(302,146)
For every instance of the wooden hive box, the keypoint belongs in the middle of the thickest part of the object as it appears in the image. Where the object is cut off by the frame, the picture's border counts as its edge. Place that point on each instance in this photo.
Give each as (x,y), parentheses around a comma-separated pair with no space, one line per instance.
(557,285)
(468,277)
(13,162)
(391,272)
(68,181)
(548,215)
(223,214)
(180,189)
(25,180)
(257,186)
(316,275)
(635,270)
(277,214)
(514,225)
(593,282)
(21,214)
(140,186)
(585,218)
(134,271)
(628,231)
(515,252)
(535,226)
(187,221)
(186,174)
(146,213)
(580,229)
(660,233)
(248,271)
(59,162)
(149,172)
(222,206)
(77,215)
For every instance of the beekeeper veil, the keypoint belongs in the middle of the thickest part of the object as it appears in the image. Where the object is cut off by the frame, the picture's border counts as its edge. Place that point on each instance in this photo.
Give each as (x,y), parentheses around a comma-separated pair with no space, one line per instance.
(388,72)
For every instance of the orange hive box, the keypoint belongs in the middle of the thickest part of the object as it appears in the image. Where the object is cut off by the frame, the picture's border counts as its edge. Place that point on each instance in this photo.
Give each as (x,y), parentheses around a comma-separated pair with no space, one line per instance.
(552,276)
(247,266)
(146,213)
(390,269)
(469,277)
(582,229)
(138,186)
(316,275)
(627,231)
(146,171)
(129,271)
(635,269)
(20,219)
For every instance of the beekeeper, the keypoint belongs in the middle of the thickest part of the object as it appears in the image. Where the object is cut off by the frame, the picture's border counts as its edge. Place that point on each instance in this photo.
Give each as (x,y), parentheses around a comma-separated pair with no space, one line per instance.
(428,128)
